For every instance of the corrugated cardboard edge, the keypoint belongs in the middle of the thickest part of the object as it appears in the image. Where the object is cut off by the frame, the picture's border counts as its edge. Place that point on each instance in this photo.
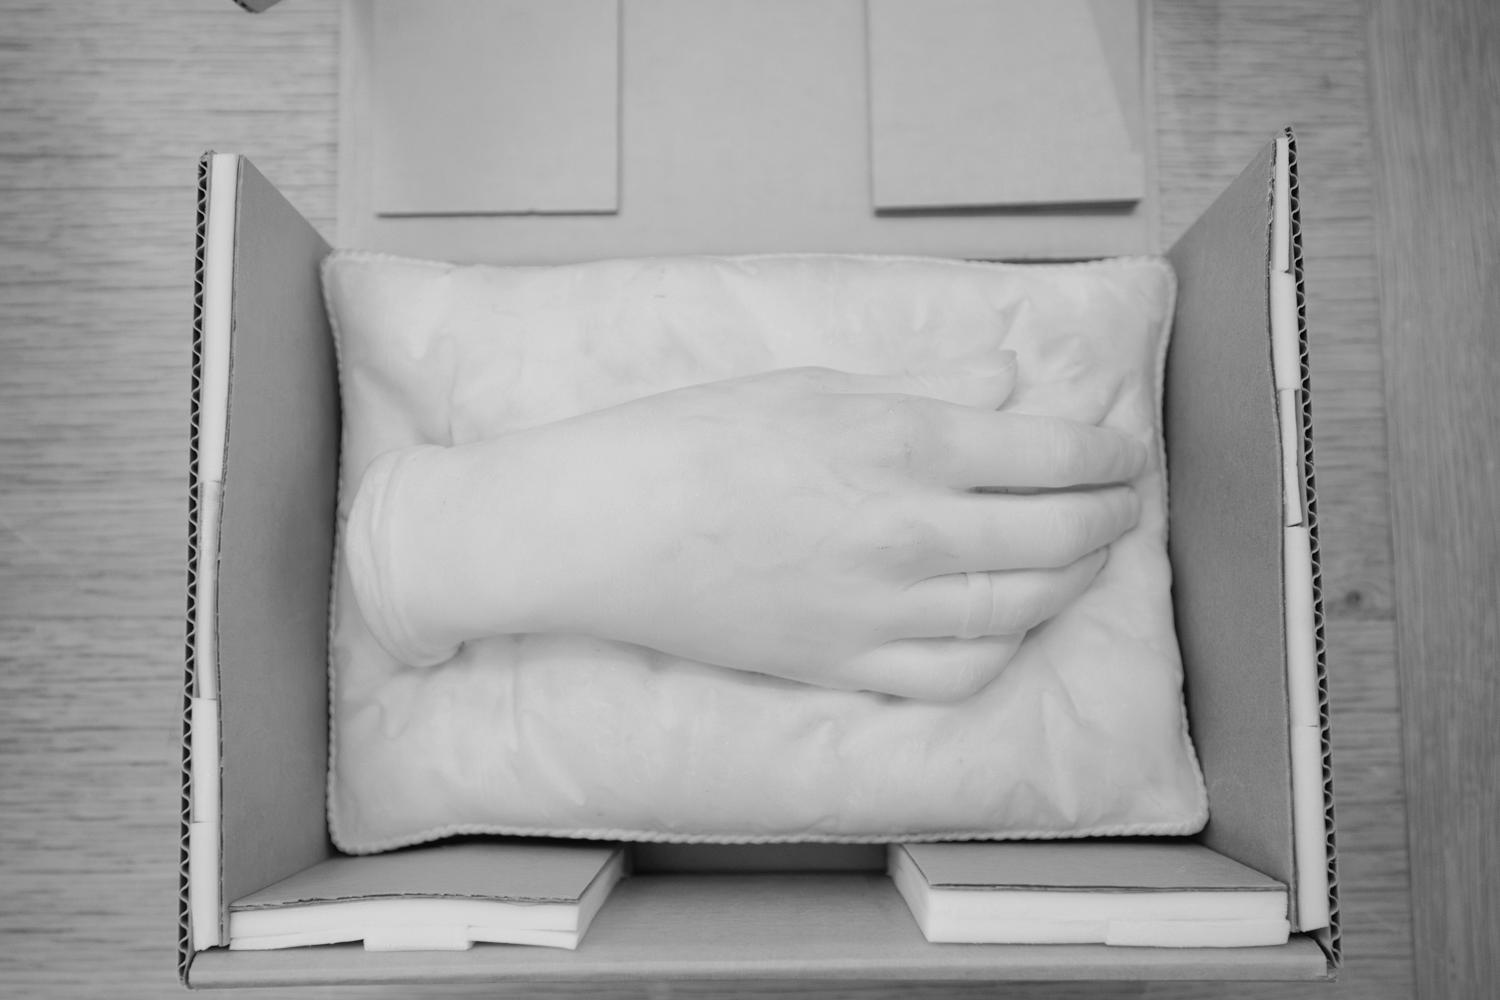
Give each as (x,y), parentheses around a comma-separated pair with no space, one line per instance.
(1331,937)
(190,672)
(266,263)
(777,930)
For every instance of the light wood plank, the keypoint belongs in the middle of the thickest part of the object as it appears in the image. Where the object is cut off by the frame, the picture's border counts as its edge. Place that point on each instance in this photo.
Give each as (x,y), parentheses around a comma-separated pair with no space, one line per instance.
(1228,76)
(1435,84)
(104,109)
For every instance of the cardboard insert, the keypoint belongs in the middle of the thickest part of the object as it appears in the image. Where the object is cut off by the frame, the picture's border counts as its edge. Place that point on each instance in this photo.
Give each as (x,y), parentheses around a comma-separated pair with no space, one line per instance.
(261,515)
(745,127)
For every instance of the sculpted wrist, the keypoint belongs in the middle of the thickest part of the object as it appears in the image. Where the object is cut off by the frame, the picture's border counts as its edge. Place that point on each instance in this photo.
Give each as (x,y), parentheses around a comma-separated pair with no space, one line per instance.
(445,546)
(384,543)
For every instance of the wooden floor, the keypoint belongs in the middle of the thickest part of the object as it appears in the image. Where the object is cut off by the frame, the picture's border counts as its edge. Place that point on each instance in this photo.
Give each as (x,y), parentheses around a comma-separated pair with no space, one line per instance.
(104,108)
(1435,89)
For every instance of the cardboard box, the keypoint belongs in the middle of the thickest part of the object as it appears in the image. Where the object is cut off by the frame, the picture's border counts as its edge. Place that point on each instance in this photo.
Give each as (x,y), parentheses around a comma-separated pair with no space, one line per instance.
(264,446)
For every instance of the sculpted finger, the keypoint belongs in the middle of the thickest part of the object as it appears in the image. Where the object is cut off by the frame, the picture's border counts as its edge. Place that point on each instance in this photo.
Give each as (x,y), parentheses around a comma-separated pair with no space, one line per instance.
(933,669)
(1009,450)
(971,605)
(979,532)
(984,385)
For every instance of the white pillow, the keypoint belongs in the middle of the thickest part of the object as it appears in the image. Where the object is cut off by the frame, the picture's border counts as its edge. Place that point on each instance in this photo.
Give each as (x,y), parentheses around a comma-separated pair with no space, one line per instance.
(1085,732)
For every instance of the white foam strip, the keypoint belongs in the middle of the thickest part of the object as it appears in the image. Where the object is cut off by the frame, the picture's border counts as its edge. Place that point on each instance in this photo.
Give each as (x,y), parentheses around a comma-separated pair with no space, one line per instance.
(441,923)
(203,760)
(1281,237)
(1309,826)
(1294,489)
(203,884)
(419,937)
(339,935)
(1309,822)
(1198,933)
(378,913)
(204,870)
(1302,649)
(206,591)
(218,297)
(213,406)
(1046,931)
(1286,352)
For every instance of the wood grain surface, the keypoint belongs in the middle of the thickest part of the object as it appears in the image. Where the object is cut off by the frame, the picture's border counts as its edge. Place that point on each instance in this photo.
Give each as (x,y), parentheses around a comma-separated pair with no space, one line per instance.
(1435,88)
(104,108)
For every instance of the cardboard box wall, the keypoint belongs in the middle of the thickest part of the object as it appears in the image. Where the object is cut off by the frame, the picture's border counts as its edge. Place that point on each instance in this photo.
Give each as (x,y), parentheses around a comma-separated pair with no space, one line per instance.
(265,518)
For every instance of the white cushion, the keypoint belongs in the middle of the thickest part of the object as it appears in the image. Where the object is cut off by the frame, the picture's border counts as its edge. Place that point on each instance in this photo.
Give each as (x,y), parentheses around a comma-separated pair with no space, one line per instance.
(1084,733)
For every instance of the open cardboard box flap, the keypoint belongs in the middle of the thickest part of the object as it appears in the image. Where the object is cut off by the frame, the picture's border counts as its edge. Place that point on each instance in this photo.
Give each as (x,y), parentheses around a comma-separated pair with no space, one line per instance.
(263,488)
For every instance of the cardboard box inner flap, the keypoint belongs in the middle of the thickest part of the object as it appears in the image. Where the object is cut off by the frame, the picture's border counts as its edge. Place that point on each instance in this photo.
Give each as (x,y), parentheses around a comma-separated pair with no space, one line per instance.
(693,911)
(748,127)
(275,547)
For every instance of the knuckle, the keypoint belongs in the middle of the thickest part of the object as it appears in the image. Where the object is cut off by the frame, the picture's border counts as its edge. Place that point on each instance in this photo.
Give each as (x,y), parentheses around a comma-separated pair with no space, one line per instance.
(912,425)
(885,427)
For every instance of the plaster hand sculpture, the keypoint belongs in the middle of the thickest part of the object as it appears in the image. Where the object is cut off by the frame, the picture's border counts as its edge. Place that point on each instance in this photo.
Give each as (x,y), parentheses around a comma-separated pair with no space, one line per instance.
(806,523)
